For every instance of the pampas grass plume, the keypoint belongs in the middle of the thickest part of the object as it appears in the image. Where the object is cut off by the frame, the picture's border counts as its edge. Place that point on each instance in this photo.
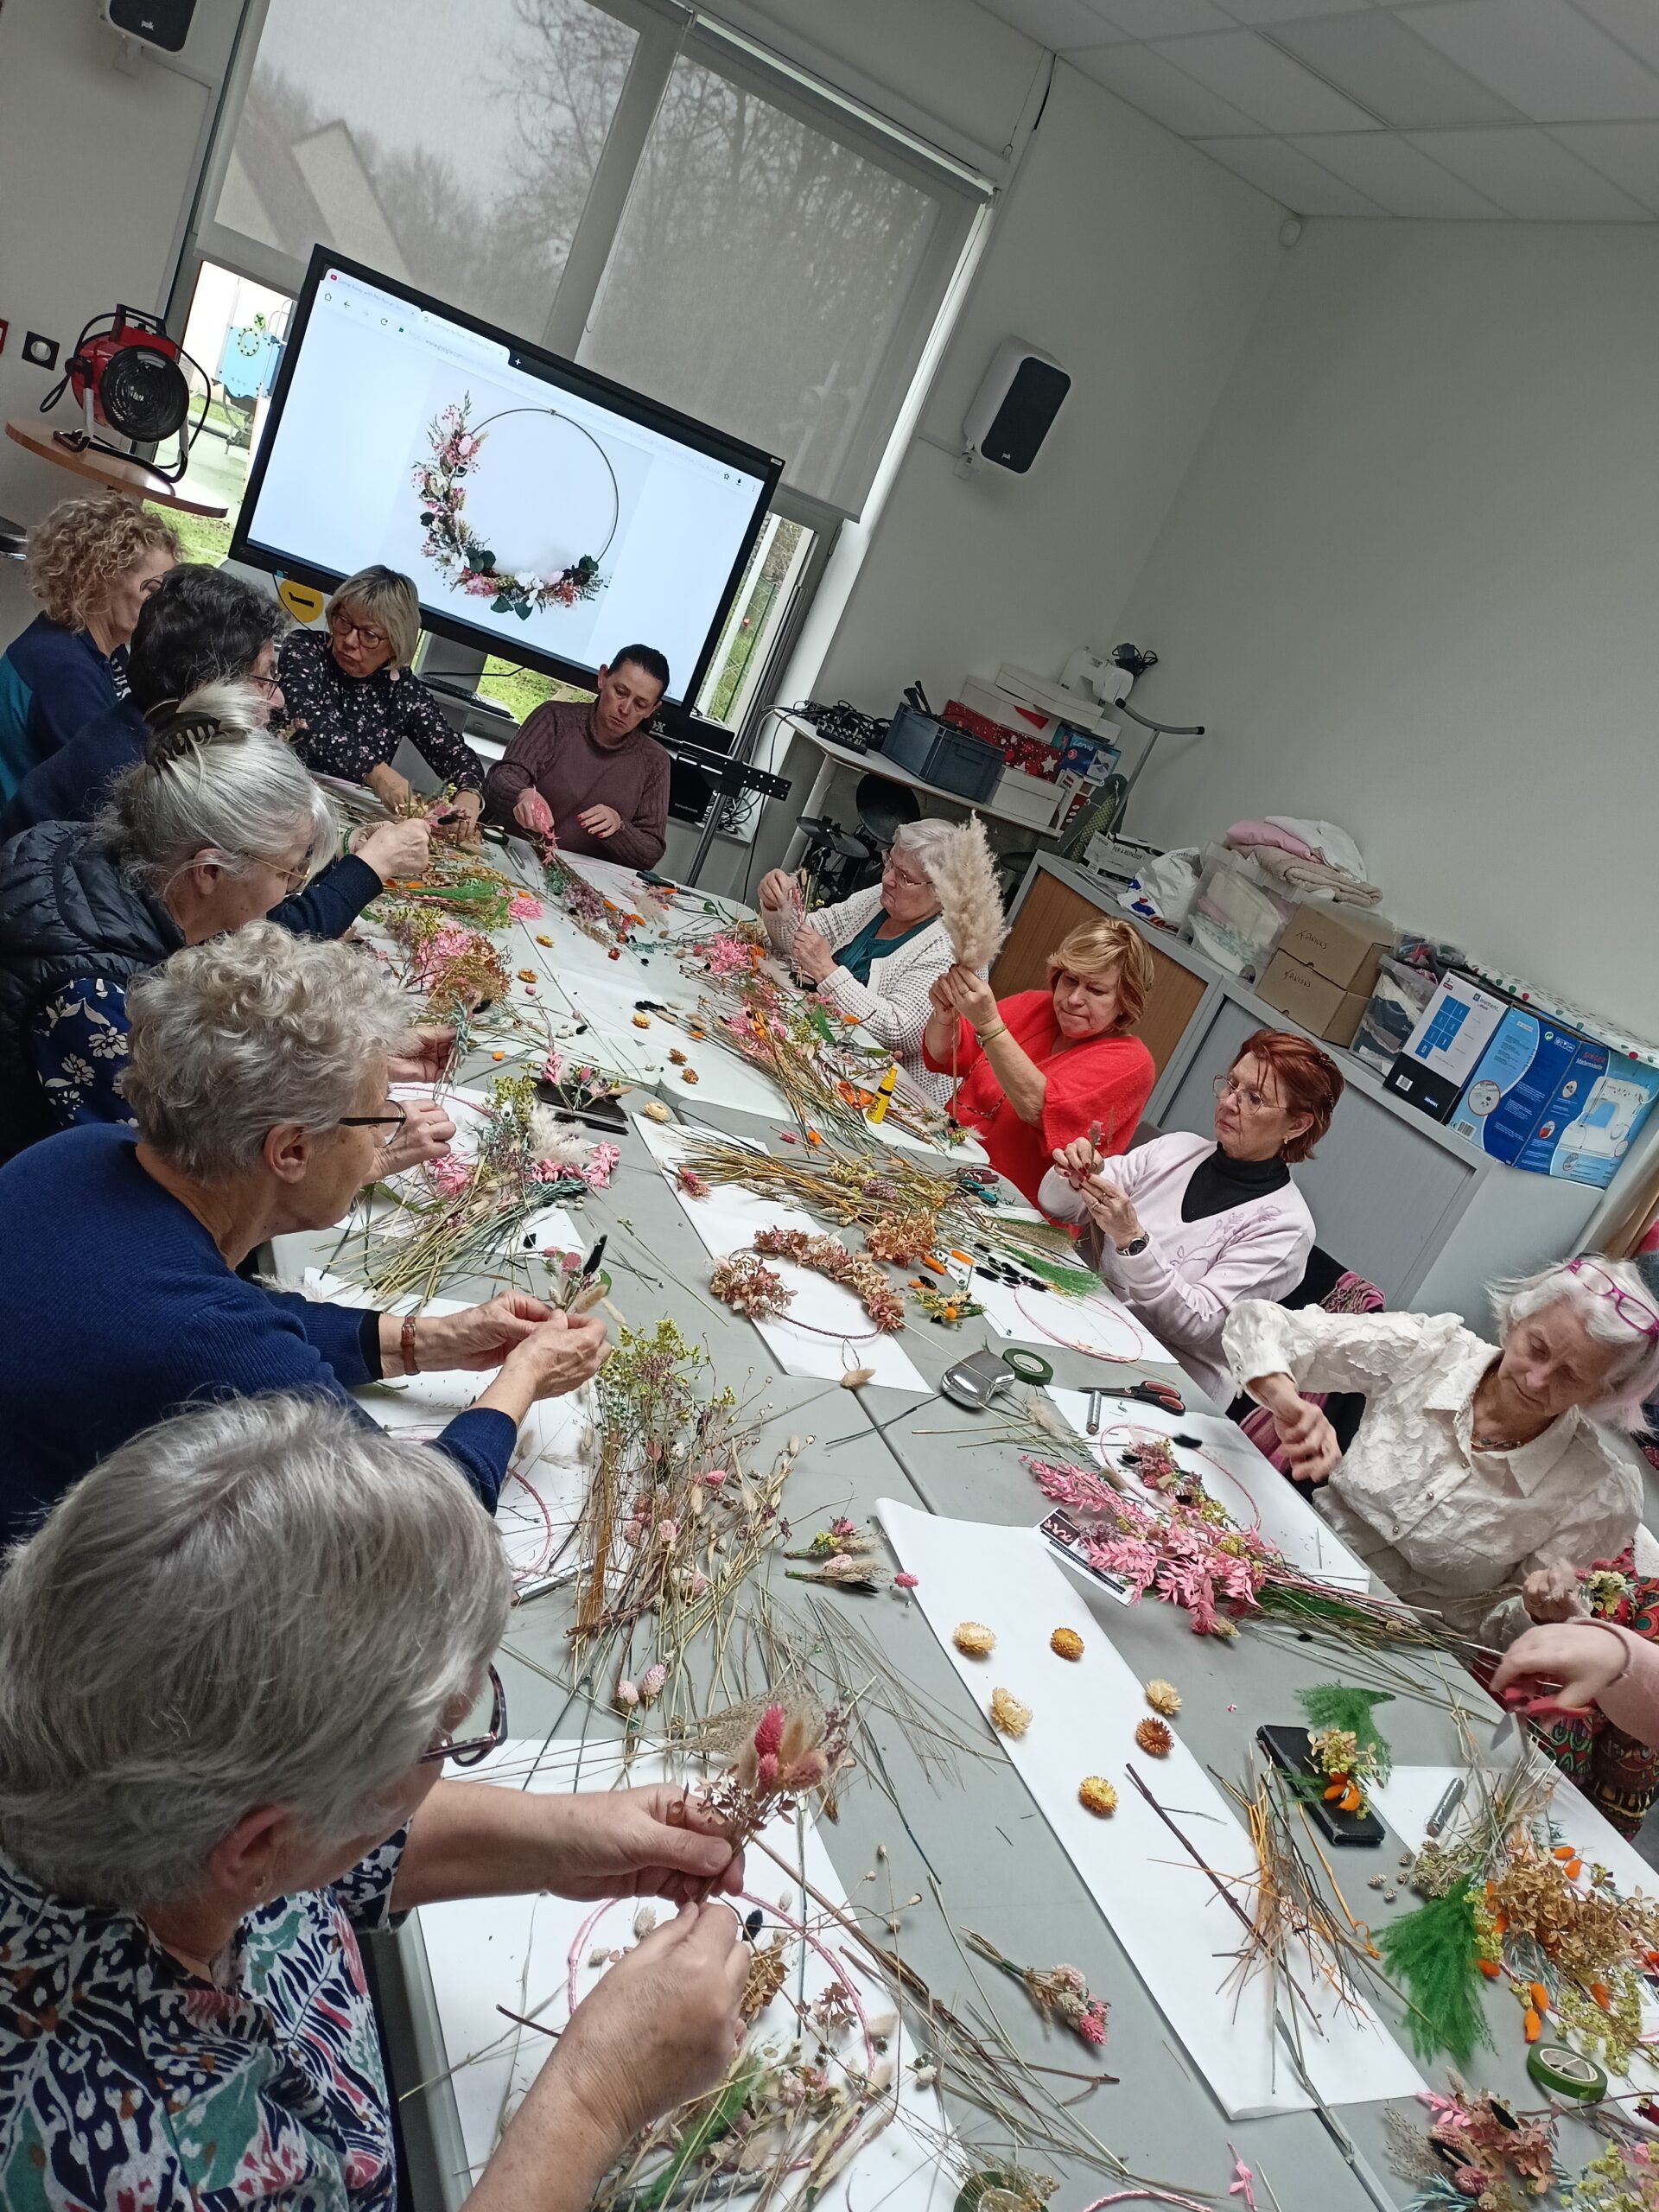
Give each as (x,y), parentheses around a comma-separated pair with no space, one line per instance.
(970,904)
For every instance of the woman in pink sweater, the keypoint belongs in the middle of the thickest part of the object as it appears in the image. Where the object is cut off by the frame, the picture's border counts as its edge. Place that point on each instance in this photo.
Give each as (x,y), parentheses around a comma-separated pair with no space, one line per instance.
(1183,1227)
(1594,1662)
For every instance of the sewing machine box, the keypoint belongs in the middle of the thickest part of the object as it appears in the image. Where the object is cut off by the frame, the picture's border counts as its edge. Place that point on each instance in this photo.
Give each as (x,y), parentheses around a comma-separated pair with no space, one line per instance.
(1341,943)
(1441,1053)
(1322,1008)
(1551,1099)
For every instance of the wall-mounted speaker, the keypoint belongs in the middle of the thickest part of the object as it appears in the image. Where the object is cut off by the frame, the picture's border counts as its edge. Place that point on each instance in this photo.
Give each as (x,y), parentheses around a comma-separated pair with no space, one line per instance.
(1015,405)
(165,23)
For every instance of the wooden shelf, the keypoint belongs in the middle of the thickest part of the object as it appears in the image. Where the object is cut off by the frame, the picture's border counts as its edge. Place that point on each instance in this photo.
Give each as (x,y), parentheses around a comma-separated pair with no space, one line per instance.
(109,470)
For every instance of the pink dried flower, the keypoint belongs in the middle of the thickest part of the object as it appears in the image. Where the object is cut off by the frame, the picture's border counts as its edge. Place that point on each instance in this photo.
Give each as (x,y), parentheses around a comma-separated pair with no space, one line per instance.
(712,1478)
(1090,2025)
(626,1693)
(769,1732)
(651,1682)
(550,1067)
(667,1533)
(843,1527)
(524,908)
(601,1165)
(904,1581)
(449,1176)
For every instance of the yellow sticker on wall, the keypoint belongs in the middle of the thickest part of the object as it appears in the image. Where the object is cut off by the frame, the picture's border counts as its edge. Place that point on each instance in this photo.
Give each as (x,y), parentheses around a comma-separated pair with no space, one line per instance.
(304,604)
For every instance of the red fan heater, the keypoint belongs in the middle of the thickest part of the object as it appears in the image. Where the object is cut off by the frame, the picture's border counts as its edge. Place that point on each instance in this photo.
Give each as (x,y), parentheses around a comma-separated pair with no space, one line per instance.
(127,376)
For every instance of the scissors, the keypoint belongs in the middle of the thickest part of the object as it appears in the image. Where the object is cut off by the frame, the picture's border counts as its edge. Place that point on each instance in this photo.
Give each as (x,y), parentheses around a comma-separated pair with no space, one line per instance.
(1164,1395)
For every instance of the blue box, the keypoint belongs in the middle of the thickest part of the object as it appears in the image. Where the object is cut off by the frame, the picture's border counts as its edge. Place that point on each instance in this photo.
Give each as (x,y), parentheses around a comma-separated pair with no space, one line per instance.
(1548,1098)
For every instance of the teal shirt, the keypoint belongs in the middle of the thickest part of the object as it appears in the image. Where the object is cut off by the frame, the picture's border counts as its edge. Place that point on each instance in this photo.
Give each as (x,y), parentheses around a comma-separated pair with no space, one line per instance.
(859,951)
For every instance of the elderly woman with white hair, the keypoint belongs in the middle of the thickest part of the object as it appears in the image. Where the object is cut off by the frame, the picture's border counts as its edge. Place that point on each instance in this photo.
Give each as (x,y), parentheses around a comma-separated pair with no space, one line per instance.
(258,1078)
(217,824)
(233,1665)
(874,956)
(355,699)
(1480,1473)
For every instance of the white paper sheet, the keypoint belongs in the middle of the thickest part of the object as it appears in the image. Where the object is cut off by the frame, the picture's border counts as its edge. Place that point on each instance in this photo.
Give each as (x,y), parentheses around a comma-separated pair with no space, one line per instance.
(1162,1908)
(1098,1324)
(1235,1472)
(542,1498)
(841,1334)
(516,1952)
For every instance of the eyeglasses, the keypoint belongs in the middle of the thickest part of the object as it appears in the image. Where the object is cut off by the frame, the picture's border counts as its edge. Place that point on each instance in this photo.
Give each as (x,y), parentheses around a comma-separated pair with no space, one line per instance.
(340,627)
(1228,1086)
(394,1119)
(891,868)
(1634,1312)
(471,1749)
(270,686)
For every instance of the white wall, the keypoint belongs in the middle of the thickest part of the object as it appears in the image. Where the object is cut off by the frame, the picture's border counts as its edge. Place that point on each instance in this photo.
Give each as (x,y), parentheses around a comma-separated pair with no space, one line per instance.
(1410,584)
(96,167)
(1140,266)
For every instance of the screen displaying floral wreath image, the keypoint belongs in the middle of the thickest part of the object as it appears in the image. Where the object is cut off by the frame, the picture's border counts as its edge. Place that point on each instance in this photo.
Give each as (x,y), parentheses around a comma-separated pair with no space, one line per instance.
(460,555)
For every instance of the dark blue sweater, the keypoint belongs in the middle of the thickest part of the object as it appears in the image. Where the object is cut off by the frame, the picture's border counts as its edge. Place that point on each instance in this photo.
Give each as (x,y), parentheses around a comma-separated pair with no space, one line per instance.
(71,783)
(52,680)
(115,1308)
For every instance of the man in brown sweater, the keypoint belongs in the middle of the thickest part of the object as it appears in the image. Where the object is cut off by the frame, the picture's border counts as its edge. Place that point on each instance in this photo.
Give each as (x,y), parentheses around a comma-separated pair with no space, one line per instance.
(588,773)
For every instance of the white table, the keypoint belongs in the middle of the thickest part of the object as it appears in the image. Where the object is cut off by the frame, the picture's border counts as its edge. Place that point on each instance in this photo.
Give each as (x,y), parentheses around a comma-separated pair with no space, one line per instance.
(877,763)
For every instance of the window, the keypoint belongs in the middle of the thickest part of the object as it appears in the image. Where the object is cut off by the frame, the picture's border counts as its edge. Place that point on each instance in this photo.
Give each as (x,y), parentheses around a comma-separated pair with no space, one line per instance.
(450,143)
(648,194)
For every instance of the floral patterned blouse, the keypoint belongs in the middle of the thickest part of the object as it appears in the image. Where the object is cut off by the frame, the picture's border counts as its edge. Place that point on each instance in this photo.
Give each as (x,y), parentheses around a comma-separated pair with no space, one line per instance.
(130,2084)
(353,723)
(79,1042)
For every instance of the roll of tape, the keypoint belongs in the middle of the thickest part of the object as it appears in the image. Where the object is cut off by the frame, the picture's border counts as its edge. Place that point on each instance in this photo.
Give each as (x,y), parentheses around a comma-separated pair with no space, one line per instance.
(1568,2072)
(1029,1366)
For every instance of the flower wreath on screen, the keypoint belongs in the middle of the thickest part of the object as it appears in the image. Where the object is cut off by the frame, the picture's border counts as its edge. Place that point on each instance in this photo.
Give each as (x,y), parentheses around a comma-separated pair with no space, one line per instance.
(460,555)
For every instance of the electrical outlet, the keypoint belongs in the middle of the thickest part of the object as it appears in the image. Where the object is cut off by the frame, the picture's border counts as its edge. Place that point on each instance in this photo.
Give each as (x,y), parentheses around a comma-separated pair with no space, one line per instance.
(40,352)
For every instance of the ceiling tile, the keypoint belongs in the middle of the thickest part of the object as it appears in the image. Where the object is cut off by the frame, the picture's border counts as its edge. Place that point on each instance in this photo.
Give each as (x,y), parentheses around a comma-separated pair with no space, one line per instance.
(1257,13)
(1634,23)
(1528,175)
(1054,23)
(1626,152)
(1541,56)
(1388,169)
(1270,86)
(1377,60)
(1147,81)
(1289,176)
(1163,18)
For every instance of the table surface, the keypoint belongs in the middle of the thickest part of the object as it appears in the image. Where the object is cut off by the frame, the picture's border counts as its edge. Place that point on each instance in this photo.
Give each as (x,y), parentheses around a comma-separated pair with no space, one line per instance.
(877,763)
(969,1840)
(112,470)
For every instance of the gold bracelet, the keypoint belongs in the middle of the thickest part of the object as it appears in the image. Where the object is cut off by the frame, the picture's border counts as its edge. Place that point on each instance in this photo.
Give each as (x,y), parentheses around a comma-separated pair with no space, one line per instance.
(990,1036)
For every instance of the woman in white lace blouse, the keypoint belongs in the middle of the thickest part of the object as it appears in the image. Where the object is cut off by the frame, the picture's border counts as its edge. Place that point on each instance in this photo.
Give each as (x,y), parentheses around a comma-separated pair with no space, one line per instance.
(1482,1477)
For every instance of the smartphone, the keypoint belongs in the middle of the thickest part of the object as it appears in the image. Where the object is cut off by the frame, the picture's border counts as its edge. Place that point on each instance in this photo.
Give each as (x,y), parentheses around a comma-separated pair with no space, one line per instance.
(1288,1749)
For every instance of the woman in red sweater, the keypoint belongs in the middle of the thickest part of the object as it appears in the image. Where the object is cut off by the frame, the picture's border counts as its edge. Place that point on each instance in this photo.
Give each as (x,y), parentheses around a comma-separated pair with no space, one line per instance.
(1044,1067)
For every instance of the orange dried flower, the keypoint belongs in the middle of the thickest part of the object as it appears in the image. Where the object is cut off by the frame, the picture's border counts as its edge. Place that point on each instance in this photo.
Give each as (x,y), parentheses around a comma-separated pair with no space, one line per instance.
(1066,1642)
(1155,1739)
(1531,2026)
(1096,1796)
(1008,1715)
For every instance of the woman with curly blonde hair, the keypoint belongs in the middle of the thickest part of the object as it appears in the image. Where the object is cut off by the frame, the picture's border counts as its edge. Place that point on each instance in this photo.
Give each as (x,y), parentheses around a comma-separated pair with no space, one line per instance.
(93,562)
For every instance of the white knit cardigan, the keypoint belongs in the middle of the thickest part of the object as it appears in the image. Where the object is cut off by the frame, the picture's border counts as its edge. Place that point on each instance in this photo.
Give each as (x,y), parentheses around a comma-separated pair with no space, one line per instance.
(893,1005)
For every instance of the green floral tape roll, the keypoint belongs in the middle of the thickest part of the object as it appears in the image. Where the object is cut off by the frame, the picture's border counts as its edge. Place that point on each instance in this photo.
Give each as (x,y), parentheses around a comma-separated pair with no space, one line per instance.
(1568,2072)
(1029,1366)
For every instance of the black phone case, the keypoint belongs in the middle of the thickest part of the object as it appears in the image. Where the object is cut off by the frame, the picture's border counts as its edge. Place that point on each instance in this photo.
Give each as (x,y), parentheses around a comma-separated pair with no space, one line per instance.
(1288,1749)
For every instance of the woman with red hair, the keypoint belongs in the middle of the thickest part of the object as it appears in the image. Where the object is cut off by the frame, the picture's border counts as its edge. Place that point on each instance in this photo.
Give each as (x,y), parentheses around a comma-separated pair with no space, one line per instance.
(1181,1228)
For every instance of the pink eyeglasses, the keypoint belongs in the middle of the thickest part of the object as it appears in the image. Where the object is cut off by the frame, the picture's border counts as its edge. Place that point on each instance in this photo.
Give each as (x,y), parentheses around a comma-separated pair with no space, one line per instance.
(1634,1312)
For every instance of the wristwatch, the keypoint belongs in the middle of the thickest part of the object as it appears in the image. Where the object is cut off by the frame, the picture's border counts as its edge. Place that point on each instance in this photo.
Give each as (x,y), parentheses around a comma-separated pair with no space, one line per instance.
(1135,1246)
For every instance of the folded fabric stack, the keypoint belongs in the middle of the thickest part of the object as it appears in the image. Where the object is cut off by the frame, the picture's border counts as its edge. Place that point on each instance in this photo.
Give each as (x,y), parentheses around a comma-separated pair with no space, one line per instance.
(1317,859)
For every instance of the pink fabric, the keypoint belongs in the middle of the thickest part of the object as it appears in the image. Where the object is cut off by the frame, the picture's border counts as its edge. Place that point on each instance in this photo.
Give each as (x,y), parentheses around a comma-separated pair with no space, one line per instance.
(1246,834)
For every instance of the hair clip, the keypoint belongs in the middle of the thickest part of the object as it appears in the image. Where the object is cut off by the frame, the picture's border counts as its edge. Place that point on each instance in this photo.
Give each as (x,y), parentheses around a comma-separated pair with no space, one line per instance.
(180,734)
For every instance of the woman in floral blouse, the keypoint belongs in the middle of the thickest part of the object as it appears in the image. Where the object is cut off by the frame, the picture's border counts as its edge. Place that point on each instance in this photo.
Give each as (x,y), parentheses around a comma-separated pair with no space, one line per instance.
(354,700)
(233,1662)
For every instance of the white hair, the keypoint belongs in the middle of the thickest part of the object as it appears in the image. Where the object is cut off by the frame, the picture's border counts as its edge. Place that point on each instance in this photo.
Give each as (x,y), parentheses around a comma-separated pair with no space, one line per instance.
(233,1036)
(924,841)
(1634,1379)
(213,780)
(266,1602)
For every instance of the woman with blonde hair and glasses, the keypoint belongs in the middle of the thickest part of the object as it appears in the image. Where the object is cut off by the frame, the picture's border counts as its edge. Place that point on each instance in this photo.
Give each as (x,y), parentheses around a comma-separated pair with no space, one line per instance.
(1037,1071)
(354,700)
(1184,1227)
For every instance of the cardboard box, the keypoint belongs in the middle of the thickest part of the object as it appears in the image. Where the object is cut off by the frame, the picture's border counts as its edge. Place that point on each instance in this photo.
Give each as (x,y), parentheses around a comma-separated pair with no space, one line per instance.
(1339,943)
(1444,1050)
(1310,1000)
(1546,1097)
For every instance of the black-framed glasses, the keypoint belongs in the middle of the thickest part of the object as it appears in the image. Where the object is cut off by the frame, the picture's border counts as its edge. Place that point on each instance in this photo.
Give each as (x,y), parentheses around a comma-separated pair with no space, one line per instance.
(471,1749)
(270,685)
(394,1120)
(340,627)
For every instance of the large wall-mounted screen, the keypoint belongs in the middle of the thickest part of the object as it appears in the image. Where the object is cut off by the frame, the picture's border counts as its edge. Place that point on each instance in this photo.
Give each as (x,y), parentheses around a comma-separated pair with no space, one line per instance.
(545,514)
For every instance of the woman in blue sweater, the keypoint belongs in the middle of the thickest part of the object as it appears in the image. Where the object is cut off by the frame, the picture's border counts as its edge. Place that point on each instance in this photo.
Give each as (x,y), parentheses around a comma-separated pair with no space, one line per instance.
(93,564)
(258,1075)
